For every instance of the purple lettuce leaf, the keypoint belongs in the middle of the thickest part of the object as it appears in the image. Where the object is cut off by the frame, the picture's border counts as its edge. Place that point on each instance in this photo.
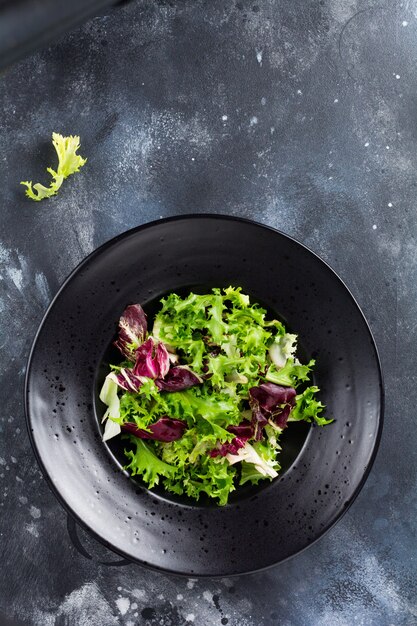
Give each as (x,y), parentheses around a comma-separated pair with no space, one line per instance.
(270,402)
(178,378)
(162,357)
(127,380)
(132,331)
(230,447)
(243,431)
(152,359)
(165,429)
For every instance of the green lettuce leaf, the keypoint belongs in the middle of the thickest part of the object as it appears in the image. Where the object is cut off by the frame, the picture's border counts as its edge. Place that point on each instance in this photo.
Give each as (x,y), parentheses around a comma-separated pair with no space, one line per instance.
(145,462)
(291,375)
(249,473)
(308,408)
(69,162)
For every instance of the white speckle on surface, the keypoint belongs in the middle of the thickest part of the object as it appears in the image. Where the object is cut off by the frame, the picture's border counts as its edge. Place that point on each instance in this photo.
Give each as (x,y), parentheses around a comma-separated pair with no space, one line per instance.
(180,596)
(2,461)
(16,275)
(397,76)
(390,204)
(119,588)
(140,594)
(335,100)
(192,159)
(272,130)
(43,288)
(387,147)
(330,177)
(35,512)
(190,584)
(374,227)
(405,23)
(23,499)
(86,606)
(123,605)
(32,529)
(367,144)
(259,55)
(208,596)
(263,101)
(160,597)
(134,606)
(253,120)
(13,459)
(224,118)
(190,617)
(299,92)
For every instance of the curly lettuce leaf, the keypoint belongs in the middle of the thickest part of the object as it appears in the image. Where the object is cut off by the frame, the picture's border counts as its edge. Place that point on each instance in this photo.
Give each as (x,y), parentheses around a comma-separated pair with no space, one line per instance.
(291,375)
(307,408)
(69,162)
(145,462)
(196,472)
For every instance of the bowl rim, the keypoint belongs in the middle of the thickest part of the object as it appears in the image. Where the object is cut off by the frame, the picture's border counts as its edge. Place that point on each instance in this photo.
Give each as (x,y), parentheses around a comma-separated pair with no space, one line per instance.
(102,248)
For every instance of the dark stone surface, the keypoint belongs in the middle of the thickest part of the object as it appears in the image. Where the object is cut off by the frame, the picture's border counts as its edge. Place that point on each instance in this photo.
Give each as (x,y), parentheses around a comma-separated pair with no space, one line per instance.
(320,141)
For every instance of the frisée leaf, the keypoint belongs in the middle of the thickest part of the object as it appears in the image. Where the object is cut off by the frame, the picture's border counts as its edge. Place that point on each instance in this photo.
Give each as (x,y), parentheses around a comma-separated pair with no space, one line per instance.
(69,162)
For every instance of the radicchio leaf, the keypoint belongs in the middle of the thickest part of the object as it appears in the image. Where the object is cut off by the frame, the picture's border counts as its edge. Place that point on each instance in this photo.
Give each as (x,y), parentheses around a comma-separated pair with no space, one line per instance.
(127,380)
(270,402)
(165,429)
(152,359)
(132,331)
(178,378)
(230,447)
(244,431)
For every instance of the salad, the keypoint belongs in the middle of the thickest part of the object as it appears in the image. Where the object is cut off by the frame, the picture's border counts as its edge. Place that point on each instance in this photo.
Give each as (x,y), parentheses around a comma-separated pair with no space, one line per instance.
(203,398)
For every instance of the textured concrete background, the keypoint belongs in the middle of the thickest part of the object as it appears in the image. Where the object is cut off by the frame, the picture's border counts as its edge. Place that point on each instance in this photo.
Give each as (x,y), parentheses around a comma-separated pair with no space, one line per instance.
(300,114)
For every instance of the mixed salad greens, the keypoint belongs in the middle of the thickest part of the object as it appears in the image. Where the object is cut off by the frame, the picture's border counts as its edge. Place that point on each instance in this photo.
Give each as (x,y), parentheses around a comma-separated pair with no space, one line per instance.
(204,397)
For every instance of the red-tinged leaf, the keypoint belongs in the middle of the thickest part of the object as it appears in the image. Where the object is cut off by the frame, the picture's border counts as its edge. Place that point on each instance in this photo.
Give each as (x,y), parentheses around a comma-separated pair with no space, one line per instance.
(165,429)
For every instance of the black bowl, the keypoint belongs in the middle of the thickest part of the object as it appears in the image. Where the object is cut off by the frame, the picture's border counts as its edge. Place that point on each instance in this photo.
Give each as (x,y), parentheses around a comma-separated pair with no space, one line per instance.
(324,468)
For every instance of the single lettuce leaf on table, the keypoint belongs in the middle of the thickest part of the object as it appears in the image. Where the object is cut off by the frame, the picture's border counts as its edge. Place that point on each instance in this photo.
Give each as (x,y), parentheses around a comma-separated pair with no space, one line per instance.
(69,162)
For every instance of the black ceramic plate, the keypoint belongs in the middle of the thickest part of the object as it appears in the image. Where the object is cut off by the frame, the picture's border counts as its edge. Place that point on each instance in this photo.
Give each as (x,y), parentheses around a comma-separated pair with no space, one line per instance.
(324,468)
